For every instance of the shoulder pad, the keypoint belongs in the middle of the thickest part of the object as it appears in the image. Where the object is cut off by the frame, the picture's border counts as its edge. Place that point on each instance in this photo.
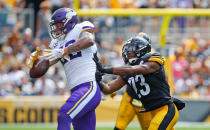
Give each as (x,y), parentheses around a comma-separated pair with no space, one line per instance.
(156,57)
(146,57)
(155,54)
(88,26)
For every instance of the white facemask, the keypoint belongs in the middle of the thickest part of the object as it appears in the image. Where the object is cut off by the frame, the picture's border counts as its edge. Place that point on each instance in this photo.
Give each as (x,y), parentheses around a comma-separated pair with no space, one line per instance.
(132,60)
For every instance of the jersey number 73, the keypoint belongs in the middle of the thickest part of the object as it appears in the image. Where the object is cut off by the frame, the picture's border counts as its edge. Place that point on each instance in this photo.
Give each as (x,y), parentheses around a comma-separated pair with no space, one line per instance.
(139,85)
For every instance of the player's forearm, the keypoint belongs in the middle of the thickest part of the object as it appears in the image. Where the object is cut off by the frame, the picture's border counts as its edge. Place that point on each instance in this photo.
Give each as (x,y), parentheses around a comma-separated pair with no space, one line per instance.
(82,43)
(127,70)
(105,88)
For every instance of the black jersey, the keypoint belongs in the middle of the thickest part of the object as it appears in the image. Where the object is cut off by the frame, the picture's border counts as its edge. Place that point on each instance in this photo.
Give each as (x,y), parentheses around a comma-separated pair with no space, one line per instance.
(151,89)
(131,93)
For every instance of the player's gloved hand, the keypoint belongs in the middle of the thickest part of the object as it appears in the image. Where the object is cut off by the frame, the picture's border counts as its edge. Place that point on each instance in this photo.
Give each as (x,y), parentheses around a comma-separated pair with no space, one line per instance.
(33,57)
(98,63)
(98,76)
(53,54)
(100,67)
(112,95)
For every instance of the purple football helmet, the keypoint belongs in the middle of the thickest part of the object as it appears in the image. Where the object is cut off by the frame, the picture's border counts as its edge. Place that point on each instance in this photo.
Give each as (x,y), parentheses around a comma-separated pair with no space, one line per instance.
(67,17)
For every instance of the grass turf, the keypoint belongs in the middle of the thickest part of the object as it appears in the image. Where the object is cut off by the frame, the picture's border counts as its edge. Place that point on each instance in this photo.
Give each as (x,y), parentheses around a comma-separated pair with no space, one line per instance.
(190,126)
(101,128)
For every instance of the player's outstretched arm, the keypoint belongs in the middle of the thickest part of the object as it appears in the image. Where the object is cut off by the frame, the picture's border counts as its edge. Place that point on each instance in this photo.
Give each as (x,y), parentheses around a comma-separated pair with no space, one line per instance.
(112,86)
(86,39)
(146,68)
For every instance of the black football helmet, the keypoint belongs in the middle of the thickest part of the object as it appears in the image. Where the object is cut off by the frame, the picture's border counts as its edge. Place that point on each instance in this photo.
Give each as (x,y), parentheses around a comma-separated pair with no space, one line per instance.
(139,46)
(145,36)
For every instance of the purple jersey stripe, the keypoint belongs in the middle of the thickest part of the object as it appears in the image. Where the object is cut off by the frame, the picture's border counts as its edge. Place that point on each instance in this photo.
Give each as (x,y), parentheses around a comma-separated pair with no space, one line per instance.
(85,27)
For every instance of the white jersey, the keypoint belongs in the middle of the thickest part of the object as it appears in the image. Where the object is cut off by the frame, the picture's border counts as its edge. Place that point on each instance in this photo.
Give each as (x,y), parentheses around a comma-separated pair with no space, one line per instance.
(80,68)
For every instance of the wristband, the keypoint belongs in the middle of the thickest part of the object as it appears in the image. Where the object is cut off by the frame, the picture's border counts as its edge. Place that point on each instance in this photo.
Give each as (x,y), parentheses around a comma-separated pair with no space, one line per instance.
(108,70)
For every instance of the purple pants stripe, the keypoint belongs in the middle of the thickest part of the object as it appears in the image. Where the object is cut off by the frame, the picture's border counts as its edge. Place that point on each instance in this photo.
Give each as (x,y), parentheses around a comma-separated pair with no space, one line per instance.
(79,109)
(77,104)
(84,100)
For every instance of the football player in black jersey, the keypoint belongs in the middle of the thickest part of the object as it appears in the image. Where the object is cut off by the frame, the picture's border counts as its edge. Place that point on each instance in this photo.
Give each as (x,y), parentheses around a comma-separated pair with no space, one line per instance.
(130,105)
(146,77)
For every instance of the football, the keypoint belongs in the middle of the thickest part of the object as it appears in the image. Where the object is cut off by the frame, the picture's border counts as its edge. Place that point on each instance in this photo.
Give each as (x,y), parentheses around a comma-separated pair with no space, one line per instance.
(39,69)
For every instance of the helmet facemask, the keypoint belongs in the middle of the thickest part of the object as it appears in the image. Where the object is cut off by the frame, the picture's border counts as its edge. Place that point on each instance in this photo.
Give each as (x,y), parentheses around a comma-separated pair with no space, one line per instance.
(57,30)
(130,55)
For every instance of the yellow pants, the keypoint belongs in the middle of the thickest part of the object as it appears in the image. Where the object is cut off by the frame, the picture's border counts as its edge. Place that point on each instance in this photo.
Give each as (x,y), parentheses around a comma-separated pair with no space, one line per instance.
(127,112)
(164,118)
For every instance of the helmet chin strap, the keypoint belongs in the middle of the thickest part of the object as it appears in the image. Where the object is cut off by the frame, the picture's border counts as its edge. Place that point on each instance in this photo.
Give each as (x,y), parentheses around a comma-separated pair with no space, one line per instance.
(132,60)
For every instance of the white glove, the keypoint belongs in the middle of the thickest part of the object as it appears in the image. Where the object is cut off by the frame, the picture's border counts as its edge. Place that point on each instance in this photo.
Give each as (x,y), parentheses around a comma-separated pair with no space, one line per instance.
(33,57)
(53,54)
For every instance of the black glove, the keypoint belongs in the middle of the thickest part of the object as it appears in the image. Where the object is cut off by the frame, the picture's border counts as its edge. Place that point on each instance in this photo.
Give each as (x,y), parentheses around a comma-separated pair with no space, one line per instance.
(100,67)
(98,63)
(98,76)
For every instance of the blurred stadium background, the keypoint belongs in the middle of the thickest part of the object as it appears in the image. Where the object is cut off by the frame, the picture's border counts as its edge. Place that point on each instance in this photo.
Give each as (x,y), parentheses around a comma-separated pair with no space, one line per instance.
(179,29)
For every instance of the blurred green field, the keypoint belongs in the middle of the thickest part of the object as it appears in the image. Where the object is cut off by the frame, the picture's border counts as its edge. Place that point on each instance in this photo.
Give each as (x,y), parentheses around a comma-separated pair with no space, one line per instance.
(104,128)
(179,126)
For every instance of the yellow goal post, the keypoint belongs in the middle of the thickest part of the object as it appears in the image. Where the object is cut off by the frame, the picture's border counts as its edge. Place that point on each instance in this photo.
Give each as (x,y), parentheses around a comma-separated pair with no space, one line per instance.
(167,14)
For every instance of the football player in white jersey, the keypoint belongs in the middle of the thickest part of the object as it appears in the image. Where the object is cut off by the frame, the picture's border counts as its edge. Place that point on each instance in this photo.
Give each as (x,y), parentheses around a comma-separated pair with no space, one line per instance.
(74,45)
